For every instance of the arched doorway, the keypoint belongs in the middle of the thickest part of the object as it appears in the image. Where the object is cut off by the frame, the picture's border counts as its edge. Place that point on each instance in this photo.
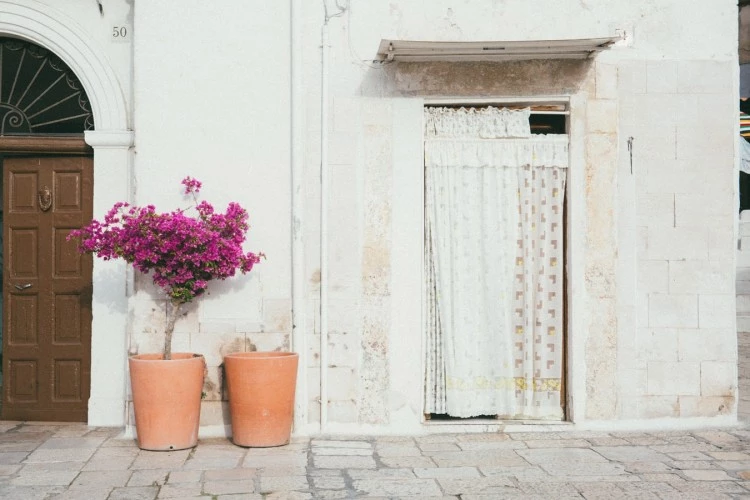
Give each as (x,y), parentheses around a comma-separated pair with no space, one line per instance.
(104,80)
(47,187)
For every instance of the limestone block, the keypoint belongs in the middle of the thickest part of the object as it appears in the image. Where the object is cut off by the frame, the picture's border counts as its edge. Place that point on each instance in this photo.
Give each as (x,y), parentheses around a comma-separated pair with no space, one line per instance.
(642,309)
(641,247)
(312,316)
(704,77)
(653,138)
(345,228)
(342,383)
(374,375)
(653,276)
(606,80)
(601,356)
(236,298)
(345,412)
(633,382)
(706,344)
(344,314)
(601,156)
(313,350)
(722,244)
(711,406)
(601,116)
(213,384)
(220,327)
(148,316)
(657,344)
(677,243)
(717,311)
(661,77)
(274,341)
(695,176)
(215,413)
(153,342)
(277,315)
(343,349)
(641,113)
(215,346)
(679,311)
(376,270)
(655,209)
(346,114)
(313,383)
(342,148)
(705,209)
(248,326)
(632,77)
(701,276)
(706,138)
(656,146)
(718,378)
(376,112)
(674,379)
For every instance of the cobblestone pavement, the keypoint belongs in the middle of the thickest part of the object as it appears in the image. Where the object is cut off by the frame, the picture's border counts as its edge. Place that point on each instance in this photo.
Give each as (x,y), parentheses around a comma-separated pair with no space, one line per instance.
(73,461)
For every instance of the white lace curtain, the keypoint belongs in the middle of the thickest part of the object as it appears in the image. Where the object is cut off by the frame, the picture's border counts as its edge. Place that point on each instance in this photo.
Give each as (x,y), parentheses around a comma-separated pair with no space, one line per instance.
(494,264)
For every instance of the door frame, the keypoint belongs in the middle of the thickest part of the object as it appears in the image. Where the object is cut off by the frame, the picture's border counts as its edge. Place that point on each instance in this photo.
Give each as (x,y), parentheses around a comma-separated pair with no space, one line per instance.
(74,144)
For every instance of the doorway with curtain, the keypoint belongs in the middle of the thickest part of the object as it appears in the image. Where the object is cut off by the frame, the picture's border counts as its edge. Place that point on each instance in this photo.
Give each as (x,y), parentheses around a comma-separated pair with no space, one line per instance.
(494,263)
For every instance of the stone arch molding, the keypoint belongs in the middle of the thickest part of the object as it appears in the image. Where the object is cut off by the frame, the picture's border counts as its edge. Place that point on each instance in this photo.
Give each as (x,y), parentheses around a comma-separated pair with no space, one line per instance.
(59,33)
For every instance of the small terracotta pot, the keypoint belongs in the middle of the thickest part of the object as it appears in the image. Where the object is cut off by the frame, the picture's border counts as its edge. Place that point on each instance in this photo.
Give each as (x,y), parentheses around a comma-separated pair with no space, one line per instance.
(261,389)
(167,399)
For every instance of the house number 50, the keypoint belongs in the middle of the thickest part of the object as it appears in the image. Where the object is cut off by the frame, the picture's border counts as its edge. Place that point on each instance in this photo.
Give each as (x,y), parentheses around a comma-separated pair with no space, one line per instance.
(119,32)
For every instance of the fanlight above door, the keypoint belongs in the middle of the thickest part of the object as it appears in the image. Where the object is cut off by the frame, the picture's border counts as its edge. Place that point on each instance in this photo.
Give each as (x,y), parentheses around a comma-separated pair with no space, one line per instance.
(39,94)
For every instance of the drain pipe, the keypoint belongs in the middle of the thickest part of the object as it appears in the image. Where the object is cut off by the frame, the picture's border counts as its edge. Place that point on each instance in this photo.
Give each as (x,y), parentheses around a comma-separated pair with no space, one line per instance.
(324,225)
(299,330)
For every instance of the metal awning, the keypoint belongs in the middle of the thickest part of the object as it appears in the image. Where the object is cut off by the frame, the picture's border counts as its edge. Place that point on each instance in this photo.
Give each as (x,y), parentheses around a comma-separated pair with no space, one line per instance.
(414,51)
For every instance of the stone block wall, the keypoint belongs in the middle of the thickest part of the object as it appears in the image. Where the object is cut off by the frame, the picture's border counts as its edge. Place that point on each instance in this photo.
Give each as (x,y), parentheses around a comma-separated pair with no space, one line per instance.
(683,357)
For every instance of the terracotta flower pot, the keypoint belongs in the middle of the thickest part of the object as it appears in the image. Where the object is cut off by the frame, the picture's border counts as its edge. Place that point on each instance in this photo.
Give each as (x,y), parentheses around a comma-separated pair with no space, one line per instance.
(261,389)
(167,399)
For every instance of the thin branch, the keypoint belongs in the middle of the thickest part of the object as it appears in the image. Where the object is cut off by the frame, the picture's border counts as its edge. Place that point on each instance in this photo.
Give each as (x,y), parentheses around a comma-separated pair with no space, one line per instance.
(171,319)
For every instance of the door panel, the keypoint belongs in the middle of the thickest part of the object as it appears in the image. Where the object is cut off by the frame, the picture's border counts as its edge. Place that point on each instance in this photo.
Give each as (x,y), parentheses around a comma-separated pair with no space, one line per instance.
(46,289)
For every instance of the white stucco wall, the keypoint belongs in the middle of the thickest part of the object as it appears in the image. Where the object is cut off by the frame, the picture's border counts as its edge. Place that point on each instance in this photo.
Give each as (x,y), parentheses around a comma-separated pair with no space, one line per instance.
(212,101)
(652,331)
(206,88)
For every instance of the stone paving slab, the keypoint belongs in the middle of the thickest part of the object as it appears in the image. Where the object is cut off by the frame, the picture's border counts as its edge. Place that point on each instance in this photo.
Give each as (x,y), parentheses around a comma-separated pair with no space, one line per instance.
(70,461)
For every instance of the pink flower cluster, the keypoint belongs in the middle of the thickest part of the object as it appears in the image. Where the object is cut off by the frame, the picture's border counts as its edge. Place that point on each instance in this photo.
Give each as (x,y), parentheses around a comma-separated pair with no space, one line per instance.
(181,252)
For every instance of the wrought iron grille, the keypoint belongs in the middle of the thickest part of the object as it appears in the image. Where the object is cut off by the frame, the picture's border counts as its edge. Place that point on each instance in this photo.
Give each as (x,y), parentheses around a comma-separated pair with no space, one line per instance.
(39,94)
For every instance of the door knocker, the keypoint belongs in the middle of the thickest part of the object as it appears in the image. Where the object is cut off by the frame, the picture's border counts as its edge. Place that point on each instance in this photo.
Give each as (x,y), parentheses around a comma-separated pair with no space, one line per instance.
(45,199)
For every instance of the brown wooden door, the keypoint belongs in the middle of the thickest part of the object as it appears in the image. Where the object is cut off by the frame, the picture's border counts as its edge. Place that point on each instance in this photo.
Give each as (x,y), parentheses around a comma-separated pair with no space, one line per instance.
(46,289)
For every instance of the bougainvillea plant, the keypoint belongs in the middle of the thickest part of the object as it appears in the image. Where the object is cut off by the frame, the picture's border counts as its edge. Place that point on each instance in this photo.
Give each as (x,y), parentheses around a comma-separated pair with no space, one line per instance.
(181,252)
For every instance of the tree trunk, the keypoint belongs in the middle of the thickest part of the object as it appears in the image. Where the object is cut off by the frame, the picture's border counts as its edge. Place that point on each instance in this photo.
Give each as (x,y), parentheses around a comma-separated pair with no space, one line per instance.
(171,319)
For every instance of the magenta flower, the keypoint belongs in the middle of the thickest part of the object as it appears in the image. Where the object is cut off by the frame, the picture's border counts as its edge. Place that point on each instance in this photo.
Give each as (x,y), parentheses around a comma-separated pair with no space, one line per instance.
(182,253)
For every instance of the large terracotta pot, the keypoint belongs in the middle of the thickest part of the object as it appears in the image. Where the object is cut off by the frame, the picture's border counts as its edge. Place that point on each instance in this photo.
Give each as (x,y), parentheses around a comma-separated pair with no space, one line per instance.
(167,399)
(261,389)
